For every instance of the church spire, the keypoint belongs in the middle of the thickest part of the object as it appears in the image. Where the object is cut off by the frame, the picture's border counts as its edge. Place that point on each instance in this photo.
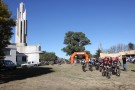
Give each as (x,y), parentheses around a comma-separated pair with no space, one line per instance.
(21,26)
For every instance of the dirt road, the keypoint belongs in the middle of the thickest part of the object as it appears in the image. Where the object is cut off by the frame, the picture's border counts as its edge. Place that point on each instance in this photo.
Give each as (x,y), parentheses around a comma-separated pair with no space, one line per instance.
(65,77)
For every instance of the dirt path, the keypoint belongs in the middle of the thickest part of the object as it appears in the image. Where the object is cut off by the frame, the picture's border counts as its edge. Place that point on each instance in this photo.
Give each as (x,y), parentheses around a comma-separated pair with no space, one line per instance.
(70,77)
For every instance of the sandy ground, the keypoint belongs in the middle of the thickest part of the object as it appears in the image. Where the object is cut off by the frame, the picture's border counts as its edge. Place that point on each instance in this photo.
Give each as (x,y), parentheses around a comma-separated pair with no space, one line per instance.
(65,77)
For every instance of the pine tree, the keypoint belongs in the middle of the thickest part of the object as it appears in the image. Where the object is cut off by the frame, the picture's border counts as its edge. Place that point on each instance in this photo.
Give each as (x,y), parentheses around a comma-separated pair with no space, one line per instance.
(6,26)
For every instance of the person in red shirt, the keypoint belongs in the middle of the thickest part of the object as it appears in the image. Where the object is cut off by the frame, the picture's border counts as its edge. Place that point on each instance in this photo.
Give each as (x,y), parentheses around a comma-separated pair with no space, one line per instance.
(105,61)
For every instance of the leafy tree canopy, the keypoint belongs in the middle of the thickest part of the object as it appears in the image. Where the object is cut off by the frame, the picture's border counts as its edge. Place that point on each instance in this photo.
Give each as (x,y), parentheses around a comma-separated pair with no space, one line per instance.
(97,55)
(131,46)
(75,42)
(6,24)
(48,56)
(89,54)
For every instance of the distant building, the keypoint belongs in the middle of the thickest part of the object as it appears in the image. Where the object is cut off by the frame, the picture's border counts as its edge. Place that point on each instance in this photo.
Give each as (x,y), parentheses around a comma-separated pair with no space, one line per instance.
(20,52)
(120,54)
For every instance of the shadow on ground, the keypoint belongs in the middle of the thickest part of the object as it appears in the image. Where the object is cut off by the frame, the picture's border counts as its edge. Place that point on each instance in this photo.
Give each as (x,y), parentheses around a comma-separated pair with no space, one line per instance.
(133,70)
(23,73)
(123,70)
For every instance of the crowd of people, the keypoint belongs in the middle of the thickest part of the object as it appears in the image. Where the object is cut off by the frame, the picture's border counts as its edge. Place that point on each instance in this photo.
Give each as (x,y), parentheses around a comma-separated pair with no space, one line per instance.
(110,61)
(107,65)
(130,59)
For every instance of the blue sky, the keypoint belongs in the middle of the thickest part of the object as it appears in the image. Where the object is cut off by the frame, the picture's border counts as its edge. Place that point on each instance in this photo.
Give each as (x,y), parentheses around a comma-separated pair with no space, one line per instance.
(108,22)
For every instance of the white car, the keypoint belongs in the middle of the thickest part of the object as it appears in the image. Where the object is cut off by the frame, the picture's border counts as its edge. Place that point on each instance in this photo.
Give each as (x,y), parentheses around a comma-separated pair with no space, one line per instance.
(29,64)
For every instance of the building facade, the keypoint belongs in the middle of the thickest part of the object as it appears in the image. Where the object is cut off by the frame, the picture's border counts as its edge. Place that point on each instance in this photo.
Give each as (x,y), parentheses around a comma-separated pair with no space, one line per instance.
(10,53)
(20,52)
(120,54)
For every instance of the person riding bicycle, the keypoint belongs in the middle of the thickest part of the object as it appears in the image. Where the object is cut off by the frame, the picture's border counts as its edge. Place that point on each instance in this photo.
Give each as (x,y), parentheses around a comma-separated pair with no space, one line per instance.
(111,60)
(89,61)
(97,60)
(116,63)
(106,67)
(83,61)
(106,61)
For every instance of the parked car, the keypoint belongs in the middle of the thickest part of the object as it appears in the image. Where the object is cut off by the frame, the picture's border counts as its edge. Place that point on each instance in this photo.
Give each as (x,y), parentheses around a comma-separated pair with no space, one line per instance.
(7,65)
(30,64)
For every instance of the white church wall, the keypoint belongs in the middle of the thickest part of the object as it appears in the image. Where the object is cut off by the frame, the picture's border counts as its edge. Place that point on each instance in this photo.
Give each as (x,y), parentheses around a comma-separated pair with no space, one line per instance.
(32,48)
(21,49)
(33,57)
(12,53)
(12,56)
(28,49)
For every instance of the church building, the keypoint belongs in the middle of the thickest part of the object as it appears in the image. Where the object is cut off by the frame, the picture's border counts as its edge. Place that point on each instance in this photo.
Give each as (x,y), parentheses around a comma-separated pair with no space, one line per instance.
(22,52)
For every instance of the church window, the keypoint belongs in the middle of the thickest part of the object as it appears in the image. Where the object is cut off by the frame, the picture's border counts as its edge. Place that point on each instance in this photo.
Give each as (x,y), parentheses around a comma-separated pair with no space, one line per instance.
(21,33)
(24,59)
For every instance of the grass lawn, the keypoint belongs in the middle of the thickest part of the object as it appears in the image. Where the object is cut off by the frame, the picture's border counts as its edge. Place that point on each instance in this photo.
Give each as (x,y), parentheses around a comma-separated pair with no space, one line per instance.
(65,77)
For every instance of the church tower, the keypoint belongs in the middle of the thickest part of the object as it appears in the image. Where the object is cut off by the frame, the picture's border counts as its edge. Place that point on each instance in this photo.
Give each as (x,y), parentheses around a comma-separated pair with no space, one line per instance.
(21,26)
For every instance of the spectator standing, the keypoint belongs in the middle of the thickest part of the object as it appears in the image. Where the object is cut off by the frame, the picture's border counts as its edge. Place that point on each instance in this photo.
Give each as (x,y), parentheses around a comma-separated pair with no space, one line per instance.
(124,62)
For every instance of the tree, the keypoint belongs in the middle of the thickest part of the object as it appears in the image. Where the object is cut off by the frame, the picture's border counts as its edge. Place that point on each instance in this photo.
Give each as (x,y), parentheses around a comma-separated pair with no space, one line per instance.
(131,46)
(6,24)
(89,54)
(48,56)
(97,55)
(75,41)
(83,57)
(117,48)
